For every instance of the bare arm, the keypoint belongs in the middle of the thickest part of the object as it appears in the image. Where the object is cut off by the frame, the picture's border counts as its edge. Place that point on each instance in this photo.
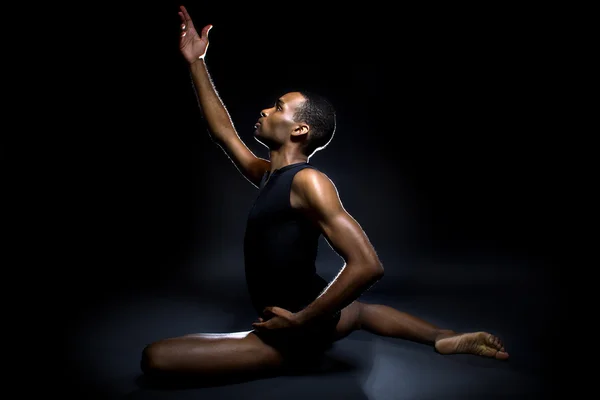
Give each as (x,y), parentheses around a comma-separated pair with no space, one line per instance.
(220,127)
(315,194)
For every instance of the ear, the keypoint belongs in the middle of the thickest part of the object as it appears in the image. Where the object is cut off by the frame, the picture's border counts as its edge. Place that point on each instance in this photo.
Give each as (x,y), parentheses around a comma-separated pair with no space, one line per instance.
(301,129)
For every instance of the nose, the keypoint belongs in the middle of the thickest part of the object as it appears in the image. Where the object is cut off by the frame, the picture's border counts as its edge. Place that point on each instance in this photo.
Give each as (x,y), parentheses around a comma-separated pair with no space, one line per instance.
(263,113)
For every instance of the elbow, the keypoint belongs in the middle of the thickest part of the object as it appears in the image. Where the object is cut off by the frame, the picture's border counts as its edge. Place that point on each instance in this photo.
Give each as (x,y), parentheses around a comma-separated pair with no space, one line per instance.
(376,270)
(379,272)
(371,270)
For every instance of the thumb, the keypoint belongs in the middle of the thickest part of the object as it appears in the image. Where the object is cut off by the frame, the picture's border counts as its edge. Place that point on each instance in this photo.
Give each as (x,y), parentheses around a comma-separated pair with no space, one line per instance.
(205,31)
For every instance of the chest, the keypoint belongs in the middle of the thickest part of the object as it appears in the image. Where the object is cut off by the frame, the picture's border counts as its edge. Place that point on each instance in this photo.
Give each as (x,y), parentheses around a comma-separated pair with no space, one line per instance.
(275,203)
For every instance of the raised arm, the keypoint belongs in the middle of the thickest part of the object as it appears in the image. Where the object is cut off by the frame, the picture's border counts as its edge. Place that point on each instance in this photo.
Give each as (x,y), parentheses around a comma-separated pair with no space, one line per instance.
(314,194)
(193,47)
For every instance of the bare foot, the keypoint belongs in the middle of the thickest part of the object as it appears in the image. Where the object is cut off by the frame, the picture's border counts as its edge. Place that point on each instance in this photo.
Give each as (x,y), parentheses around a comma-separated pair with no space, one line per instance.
(479,343)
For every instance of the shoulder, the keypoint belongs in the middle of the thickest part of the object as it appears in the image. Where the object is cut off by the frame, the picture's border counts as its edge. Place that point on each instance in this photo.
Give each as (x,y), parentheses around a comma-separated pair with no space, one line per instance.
(313,189)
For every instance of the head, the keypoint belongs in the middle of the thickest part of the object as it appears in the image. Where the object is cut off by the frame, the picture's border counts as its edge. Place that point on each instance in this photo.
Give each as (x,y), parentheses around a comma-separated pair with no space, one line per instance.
(302,119)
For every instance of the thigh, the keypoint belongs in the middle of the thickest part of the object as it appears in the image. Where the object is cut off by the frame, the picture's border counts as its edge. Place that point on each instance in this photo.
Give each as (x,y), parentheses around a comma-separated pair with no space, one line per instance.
(210,354)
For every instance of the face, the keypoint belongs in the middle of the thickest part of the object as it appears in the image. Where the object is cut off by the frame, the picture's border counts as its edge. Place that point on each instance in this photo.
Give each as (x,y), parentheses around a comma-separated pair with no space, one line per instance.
(276,125)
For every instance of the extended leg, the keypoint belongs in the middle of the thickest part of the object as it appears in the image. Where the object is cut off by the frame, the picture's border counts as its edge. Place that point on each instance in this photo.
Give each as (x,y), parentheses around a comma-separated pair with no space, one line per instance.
(383,320)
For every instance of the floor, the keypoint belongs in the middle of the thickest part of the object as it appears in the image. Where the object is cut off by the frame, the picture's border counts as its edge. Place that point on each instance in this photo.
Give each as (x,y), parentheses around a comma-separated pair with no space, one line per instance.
(106,344)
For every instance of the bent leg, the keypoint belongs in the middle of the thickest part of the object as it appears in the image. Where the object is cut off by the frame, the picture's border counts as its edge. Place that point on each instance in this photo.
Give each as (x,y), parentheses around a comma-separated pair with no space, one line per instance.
(210,355)
(383,320)
(349,320)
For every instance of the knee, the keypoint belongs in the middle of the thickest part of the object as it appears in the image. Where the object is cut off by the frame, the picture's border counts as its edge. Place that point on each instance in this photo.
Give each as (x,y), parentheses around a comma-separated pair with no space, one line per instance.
(152,360)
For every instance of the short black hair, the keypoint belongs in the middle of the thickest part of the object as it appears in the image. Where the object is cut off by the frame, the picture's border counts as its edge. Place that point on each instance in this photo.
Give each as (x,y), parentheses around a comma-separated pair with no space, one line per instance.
(319,114)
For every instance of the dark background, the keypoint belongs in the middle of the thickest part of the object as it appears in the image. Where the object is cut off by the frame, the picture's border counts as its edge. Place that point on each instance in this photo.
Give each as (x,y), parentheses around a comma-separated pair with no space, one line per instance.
(444,145)
(444,151)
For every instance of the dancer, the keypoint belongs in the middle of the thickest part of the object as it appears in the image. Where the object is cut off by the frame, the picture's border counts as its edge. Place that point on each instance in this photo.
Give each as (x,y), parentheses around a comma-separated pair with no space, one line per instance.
(299,314)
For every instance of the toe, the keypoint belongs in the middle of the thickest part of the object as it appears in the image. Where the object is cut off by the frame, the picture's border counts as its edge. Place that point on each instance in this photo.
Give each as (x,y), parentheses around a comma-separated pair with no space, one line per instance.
(496,342)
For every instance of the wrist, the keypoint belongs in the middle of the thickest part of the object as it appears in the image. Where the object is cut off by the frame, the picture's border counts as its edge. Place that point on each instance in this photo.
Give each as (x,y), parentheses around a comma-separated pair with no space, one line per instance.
(300,318)
(197,61)
(307,316)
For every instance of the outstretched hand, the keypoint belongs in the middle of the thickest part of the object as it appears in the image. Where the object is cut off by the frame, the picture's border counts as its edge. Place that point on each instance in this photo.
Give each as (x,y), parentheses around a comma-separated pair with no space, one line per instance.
(192,45)
(277,318)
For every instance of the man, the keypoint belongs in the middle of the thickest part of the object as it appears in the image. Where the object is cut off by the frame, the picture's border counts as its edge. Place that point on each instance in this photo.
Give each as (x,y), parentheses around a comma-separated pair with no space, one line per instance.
(300,314)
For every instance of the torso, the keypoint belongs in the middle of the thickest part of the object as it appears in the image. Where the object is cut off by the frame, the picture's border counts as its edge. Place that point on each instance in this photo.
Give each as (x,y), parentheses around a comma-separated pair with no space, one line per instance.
(280,245)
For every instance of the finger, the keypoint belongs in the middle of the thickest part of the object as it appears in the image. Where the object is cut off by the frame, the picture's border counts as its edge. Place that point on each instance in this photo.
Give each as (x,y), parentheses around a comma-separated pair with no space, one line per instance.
(184,24)
(185,13)
(268,310)
(258,325)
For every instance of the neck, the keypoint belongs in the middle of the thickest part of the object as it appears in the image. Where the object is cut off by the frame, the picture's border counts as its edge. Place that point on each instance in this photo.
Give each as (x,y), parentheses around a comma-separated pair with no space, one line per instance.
(280,159)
